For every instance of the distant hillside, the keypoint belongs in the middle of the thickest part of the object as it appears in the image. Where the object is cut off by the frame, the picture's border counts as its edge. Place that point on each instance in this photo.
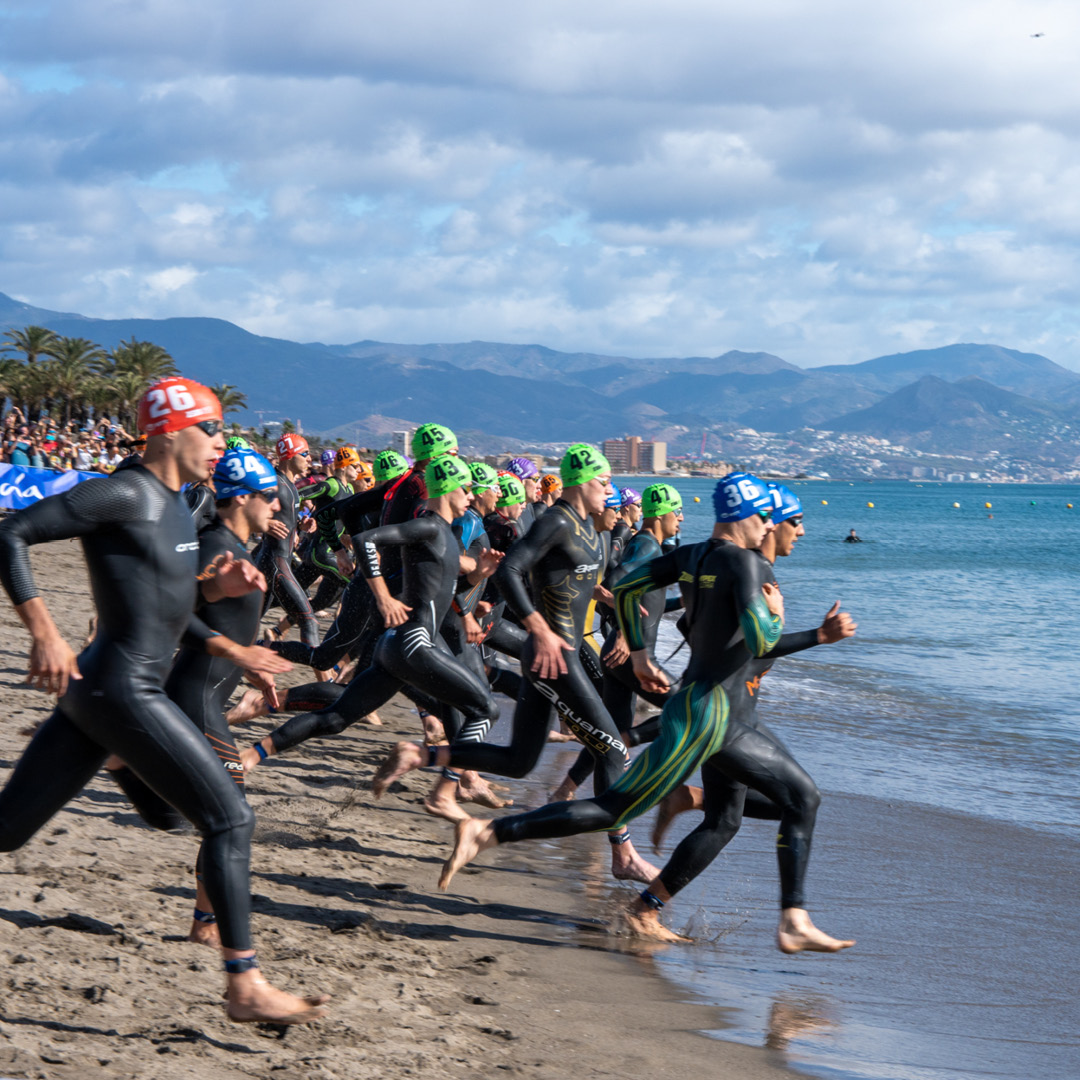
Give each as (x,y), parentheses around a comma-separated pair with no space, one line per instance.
(969,415)
(1022,373)
(505,393)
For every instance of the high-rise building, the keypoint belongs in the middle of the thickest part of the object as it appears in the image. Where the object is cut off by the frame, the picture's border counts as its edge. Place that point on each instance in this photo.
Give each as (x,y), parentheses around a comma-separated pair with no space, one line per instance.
(636,455)
(401,441)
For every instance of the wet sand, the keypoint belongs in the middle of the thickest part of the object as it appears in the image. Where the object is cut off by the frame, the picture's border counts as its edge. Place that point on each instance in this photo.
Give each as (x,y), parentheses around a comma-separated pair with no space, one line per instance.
(517,972)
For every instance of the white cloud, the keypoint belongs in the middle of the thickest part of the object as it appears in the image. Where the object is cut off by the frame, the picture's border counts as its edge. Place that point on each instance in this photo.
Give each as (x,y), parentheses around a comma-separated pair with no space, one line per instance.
(827,183)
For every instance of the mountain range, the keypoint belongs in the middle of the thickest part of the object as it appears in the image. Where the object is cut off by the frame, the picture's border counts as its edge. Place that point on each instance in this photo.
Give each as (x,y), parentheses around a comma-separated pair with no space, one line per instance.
(964,397)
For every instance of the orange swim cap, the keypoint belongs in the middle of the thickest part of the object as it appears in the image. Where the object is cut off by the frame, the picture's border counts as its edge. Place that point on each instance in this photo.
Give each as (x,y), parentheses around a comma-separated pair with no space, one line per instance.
(177,403)
(549,483)
(290,445)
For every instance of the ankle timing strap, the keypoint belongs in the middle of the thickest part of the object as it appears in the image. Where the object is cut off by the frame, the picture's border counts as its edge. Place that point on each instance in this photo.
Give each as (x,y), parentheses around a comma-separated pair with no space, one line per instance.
(261,751)
(204,916)
(449,774)
(239,966)
(619,838)
(651,901)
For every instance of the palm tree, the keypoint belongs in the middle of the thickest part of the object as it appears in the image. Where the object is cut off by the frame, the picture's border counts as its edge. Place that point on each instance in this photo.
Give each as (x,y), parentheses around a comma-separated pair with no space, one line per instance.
(232,400)
(142,358)
(71,369)
(34,341)
(127,387)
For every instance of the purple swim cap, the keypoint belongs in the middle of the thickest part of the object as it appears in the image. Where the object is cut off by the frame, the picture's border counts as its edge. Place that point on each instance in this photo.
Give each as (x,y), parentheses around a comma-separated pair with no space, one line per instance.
(522,468)
(630,497)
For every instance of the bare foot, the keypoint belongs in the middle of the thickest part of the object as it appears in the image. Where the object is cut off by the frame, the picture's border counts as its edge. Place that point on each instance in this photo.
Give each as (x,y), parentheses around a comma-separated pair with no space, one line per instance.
(798,934)
(251,706)
(204,933)
(474,788)
(346,673)
(558,736)
(628,865)
(683,798)
(255,1001)
(434,732)
(372,718)
(565,792)
(645,923)
(250,759)
(441,801)
(324,676)
(471,836)
(405,757)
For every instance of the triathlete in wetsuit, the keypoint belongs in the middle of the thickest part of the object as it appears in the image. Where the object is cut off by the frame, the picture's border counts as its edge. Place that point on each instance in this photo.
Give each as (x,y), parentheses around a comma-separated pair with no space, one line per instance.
(529,475)
(410,652)
(754,774)
(274,555)
(562,557)
(142,557)
(620,684)
(631,507)
(327,556)
(734,612)
(358,617)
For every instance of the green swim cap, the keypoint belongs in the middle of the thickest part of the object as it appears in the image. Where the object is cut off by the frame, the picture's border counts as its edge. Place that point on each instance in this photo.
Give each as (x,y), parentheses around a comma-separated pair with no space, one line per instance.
(431,441)
(389,465)
(513,490)
(660,499)
(445,474)
(581,464)
(483,476)
(234,442)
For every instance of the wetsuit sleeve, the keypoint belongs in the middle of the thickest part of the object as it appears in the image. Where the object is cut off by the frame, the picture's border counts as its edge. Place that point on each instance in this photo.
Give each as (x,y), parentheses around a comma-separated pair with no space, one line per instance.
(327,487)
(196,634)
(413,531)
(87,508)
(512,576)
(760,627)
(795,642)
(657,573)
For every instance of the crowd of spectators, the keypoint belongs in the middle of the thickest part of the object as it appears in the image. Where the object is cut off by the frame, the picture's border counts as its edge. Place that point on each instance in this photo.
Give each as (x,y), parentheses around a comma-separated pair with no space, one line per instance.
(46,444)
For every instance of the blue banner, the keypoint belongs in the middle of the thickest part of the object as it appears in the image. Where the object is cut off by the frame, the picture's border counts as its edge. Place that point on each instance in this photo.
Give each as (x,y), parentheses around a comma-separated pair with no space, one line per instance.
(21,487)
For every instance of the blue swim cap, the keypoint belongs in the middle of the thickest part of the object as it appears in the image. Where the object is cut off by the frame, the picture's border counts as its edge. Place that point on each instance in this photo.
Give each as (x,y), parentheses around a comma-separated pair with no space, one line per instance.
(242,472)
(785,503)
(614,500)
(740,495)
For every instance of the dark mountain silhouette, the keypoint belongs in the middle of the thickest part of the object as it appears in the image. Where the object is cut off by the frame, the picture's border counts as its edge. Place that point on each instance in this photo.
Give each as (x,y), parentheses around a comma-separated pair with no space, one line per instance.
(1022,373)
(968,415)
(532,393)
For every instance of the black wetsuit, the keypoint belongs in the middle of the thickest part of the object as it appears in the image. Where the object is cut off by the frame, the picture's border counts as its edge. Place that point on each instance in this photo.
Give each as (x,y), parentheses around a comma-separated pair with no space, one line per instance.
(358,620)
(560,561)
(753,775)
(412,654)
(142,555)
(200,499)
(620,684)
(327,495)
(728,621)
(274,558)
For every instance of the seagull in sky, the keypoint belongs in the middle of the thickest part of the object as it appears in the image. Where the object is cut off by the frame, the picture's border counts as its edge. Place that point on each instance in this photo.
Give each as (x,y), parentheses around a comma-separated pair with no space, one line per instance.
(1040,34)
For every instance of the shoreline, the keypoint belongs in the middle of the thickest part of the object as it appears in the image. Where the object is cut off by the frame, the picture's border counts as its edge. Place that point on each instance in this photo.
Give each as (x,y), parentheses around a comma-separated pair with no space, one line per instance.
(513,973)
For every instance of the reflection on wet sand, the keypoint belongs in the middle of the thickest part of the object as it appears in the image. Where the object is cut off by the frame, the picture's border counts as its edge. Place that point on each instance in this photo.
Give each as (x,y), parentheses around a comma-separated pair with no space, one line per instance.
(791,1016)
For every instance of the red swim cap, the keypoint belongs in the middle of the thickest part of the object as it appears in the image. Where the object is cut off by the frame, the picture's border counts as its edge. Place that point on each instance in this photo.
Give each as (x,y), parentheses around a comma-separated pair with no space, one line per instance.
(177,403)
(289,445)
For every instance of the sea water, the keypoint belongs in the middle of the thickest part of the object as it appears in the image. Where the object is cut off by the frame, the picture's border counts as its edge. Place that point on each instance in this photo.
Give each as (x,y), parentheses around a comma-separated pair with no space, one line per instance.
(945,737)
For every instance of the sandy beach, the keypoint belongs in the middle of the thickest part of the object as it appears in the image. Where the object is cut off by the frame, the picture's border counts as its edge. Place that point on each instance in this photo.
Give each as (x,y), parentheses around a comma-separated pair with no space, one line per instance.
(519,971)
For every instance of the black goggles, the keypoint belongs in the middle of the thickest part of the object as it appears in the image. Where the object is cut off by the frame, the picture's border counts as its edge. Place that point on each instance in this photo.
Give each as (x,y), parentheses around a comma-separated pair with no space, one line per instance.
(267,496)
(211,427)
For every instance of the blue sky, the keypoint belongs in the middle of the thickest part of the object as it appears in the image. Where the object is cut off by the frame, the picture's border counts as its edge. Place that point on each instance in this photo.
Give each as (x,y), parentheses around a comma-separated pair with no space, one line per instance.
(826,182)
